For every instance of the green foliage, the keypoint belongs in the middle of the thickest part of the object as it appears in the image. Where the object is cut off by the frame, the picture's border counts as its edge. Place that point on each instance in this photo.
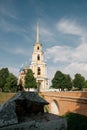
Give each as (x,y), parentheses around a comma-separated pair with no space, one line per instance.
(68,82)
(79,81)
(8,82)
(4,73)
(56,81)
(30,81)
(76,121)
(11,83)
(85,84)
(61,81)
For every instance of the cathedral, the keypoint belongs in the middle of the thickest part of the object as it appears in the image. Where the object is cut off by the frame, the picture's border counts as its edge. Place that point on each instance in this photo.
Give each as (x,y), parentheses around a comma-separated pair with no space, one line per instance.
(38,66)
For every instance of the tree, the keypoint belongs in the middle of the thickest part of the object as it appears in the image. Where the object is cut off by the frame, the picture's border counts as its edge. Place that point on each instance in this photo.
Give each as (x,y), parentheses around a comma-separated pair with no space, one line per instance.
(61,81)
(85,84)
(57,81)
(11,83)
(30,81)
(4,73)
(67,82)
(79,81)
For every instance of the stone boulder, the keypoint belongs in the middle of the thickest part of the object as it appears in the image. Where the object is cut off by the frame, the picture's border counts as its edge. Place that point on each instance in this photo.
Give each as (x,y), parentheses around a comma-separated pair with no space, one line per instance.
(46,121)
(7,114)
(25,111)
(20,104)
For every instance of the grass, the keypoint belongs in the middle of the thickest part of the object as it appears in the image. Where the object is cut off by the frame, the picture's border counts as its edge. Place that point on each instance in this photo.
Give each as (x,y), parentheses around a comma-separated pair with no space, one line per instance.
(76,121)
(5,96)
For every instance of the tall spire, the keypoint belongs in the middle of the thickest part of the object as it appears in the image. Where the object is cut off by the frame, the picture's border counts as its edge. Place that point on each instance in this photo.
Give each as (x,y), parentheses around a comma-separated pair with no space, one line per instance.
(37,35)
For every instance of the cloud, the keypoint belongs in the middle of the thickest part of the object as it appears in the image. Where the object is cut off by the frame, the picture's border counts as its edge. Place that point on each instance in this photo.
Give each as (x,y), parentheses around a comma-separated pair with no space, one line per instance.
(67,54)
(14,70)
(80,53)
(76,67)
(59,53)
(21,51)
(70,65)
(8,12)
(69,26)
(8,27)
(45,32)
(67,58)
(17,51)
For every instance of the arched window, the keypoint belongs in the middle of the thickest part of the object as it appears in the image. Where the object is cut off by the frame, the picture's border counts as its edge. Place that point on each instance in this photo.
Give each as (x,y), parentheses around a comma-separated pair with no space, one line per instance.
(38,71)
(38,48)
(38,57)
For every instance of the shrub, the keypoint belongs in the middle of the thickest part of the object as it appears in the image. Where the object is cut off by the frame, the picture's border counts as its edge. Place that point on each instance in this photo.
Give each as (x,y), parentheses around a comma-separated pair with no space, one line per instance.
(76,121)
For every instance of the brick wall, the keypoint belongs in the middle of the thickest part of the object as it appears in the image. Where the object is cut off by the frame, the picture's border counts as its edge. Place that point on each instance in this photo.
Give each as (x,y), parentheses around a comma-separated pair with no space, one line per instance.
(67,101)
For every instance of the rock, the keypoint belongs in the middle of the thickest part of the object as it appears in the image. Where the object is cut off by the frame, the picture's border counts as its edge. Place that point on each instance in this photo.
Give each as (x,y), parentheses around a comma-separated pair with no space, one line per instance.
(30,97)
(25,111)
(7,114)
(54,123)
(15,108)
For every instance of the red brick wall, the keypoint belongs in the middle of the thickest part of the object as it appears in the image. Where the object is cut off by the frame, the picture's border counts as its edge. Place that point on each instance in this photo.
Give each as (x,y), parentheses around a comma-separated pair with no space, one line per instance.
(68,101)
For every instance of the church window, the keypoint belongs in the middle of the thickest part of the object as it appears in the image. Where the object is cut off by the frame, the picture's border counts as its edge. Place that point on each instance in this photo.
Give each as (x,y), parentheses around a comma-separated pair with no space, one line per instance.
(38,57)
(38,48)
(38,71)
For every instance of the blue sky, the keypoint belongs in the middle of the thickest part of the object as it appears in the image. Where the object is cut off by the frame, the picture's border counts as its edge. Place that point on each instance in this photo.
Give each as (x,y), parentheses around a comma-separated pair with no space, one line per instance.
(63,34)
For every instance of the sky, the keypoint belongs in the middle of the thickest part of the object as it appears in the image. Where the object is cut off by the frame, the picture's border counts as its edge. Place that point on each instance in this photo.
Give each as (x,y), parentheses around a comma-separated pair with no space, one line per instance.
(63,34)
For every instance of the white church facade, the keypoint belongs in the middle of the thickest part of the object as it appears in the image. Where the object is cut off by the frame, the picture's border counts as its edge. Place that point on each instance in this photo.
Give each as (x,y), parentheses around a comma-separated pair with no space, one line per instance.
(38,66)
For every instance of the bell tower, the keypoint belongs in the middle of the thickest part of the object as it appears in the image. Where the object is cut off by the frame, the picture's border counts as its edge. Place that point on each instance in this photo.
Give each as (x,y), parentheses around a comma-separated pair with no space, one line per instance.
(38,65)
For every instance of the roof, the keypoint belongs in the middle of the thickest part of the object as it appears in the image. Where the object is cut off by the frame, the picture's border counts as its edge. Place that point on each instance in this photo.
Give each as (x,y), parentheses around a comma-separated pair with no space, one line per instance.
(30,96)
(21,69)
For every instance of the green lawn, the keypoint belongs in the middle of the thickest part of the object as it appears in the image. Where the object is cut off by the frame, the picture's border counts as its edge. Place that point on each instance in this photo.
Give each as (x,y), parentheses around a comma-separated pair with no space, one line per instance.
(76,121)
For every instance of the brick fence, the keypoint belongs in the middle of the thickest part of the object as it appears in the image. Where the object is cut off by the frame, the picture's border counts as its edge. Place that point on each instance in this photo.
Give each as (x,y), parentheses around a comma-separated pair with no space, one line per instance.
(64,102)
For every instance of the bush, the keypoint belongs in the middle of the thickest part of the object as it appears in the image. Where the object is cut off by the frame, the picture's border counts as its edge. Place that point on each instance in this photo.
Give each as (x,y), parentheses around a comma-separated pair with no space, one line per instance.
(76,121)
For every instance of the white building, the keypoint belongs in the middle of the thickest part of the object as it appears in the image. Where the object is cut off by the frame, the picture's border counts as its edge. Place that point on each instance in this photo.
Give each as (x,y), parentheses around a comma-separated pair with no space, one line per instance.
(38,66)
